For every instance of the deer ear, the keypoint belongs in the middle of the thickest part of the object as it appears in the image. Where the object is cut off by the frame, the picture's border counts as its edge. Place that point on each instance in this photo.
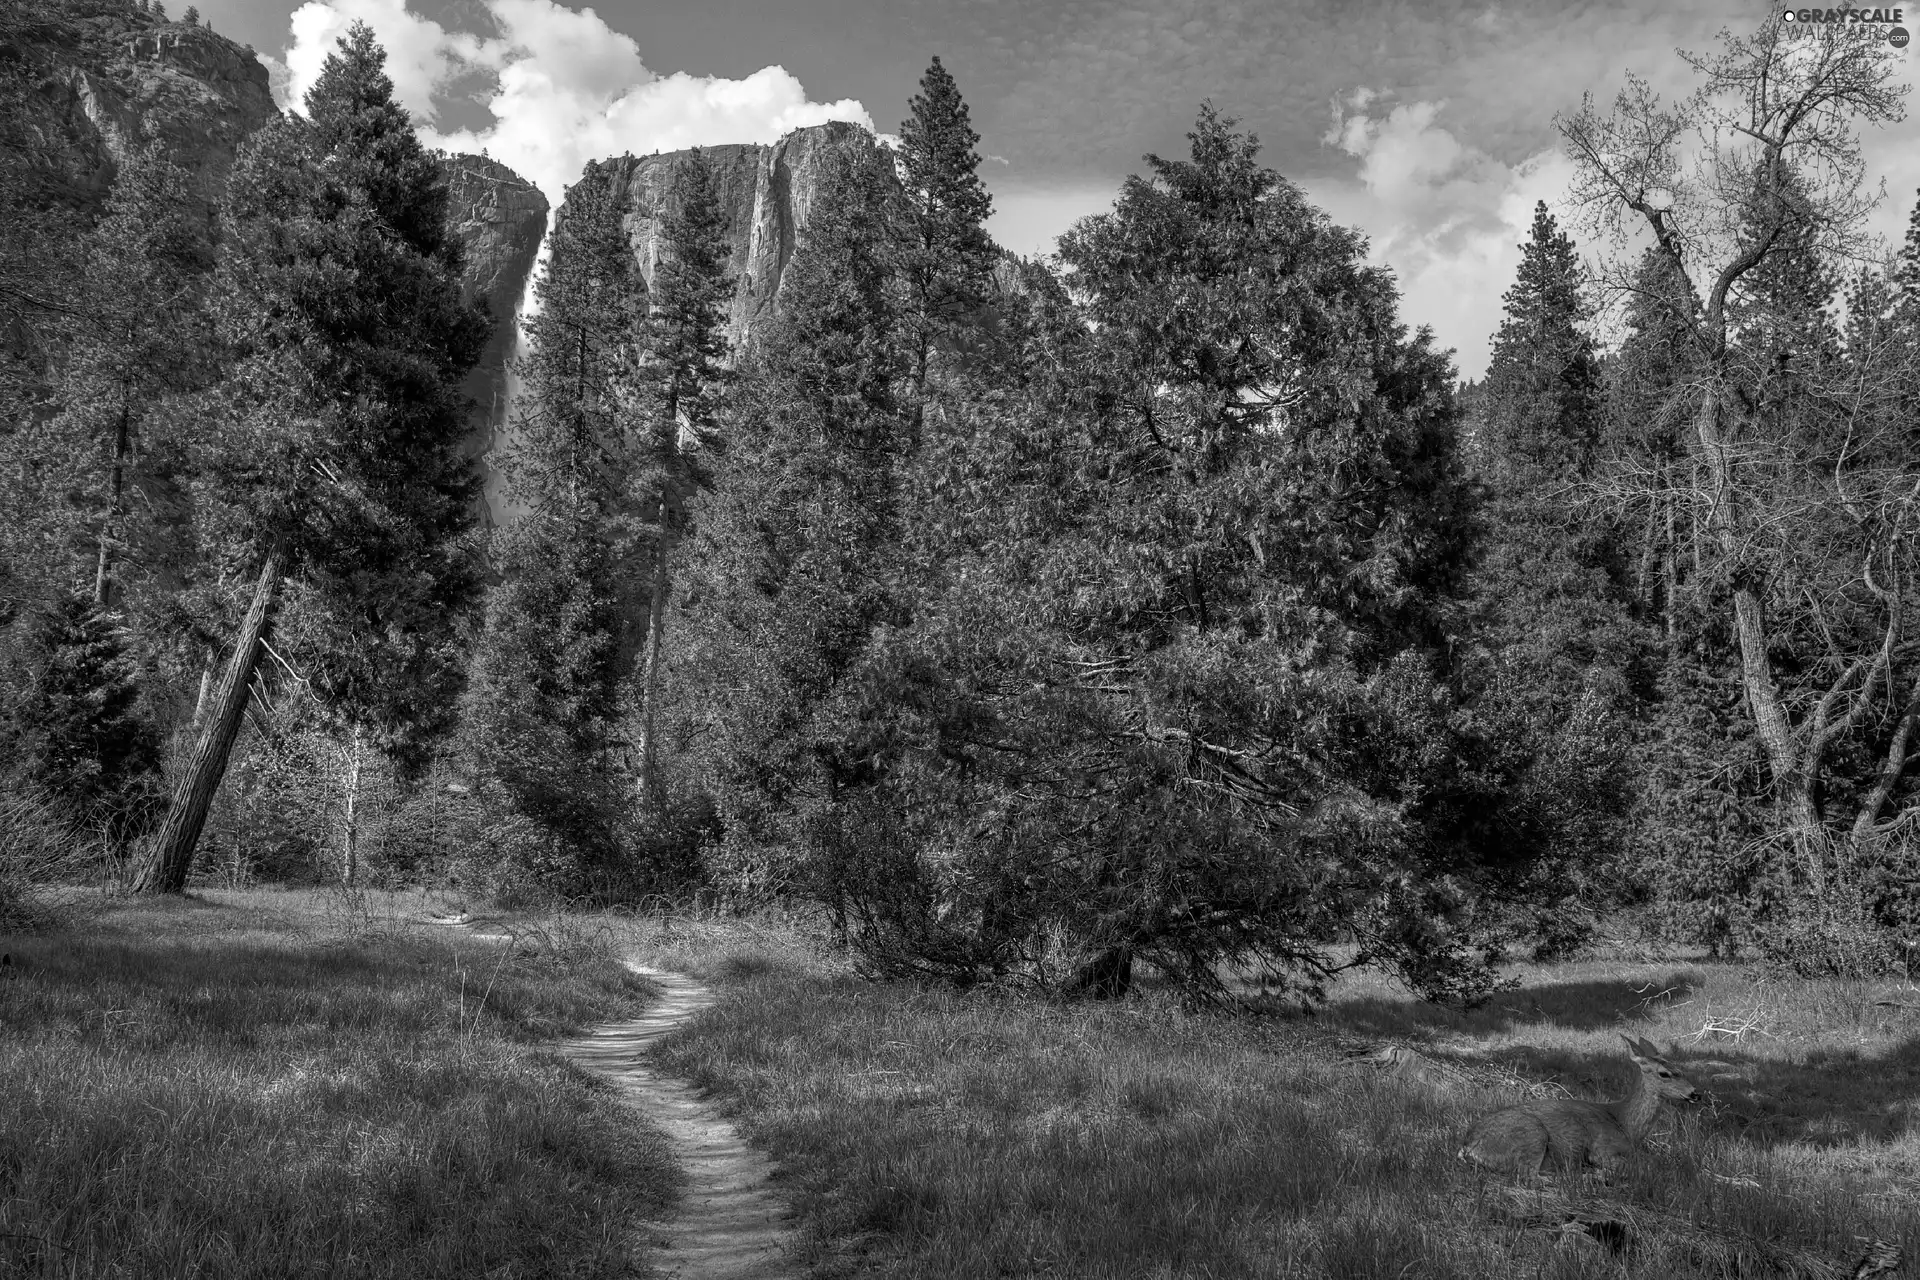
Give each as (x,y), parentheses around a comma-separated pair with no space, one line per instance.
(1632,1048)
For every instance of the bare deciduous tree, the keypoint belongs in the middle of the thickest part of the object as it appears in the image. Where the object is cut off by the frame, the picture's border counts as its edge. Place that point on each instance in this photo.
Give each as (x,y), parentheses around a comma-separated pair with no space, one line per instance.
(1806,510)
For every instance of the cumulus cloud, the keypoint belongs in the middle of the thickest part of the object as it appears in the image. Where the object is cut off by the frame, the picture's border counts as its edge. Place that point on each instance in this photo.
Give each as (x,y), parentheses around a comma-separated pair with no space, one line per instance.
(1446,216)
(563,87)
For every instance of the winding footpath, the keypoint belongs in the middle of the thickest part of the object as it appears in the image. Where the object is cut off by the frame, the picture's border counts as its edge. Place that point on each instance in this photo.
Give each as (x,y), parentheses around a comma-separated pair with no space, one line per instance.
(729,1225)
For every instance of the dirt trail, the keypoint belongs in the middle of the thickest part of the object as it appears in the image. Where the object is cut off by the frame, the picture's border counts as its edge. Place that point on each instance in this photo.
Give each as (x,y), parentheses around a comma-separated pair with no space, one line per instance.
(729,1228)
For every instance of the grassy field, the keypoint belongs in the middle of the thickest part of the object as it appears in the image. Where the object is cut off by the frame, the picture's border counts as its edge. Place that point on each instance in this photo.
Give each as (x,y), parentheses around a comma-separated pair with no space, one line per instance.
(931,1134)
(300,1084)
(275,1084)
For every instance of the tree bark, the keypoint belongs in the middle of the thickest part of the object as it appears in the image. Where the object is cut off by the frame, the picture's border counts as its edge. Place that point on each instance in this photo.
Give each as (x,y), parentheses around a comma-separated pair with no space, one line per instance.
(171,854)
(1670,569)
(200,699)
(103,567)
(1891,767)
(350,855)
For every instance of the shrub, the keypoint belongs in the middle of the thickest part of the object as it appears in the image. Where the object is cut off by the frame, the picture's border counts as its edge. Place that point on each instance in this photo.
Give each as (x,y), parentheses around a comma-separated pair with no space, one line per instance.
(83,731)
(1836,936)
(38,847)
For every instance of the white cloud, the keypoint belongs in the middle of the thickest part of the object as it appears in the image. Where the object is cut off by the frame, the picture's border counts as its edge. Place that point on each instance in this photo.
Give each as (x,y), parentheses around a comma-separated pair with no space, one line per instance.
(1446,216)
(562,85)
(421,54)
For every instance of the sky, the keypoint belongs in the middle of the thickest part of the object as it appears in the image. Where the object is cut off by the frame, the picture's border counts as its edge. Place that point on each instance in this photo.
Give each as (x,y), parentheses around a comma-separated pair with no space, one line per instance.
(1426,124)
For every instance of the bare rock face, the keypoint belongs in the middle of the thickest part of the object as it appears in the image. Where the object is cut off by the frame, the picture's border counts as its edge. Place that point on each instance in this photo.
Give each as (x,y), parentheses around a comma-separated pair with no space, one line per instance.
(768,192)
(115,78)
(499,218)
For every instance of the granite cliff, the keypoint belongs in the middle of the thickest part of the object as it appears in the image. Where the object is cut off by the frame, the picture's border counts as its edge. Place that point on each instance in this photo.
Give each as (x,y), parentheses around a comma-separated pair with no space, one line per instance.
(768,191)
(499,218)
(108,78)
(105,78)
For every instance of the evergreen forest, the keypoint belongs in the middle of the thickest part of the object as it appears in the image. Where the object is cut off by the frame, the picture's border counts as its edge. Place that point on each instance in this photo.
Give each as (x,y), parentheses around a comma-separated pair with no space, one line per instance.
(1166,603)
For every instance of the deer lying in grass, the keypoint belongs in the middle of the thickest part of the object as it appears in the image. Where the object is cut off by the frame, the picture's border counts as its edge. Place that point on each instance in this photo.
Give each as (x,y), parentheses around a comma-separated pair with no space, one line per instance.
(1569,1134)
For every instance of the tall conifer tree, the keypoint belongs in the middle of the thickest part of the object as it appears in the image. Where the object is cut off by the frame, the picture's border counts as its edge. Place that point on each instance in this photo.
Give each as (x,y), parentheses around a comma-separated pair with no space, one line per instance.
(1561,665)
(541,719)
(142,337)
(683,351)
(795,552)
(946,260)
(1542,391)
(336,462)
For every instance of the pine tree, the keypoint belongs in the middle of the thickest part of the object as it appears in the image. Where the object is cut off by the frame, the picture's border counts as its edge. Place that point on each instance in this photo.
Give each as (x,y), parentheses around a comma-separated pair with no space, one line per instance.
(542,706)
(1202,528)
(947,261)
(793,563)
(1907,271)
(144,337)
(541,717)
(571,451)
(87,738)
(1648,433)
(1542,392)
(337,457)
(683,352)
(1564,663)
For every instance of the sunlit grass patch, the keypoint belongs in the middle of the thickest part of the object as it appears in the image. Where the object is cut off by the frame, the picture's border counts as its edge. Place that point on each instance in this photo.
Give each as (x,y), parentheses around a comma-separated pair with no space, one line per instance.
(286,1084)
(938,1134)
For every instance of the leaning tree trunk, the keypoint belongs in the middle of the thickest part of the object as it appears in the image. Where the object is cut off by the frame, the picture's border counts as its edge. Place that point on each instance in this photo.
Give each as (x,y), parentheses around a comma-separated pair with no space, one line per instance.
(171,854)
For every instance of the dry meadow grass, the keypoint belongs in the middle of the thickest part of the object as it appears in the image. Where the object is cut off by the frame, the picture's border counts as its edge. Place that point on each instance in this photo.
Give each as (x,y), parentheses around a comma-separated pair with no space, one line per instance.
(928,1133)
(302,1084)
(309,1084)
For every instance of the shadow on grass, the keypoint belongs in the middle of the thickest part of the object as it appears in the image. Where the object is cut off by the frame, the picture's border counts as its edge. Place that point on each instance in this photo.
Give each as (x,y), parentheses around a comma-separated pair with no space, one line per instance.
(1833,1097)
(1586,1005)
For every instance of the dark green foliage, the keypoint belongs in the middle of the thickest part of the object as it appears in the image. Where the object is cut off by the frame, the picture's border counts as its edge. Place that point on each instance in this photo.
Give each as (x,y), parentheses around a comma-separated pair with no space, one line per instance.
(81,729)
(1543,404)
(1164,580)
(540,723)
(331,454)
(1245,353)
(145,340)
(1559,664)
(342,420)
(946,258)
(678,380)
(1906,273)
(570,451)
(542,707)
(683,341)
(793,564)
